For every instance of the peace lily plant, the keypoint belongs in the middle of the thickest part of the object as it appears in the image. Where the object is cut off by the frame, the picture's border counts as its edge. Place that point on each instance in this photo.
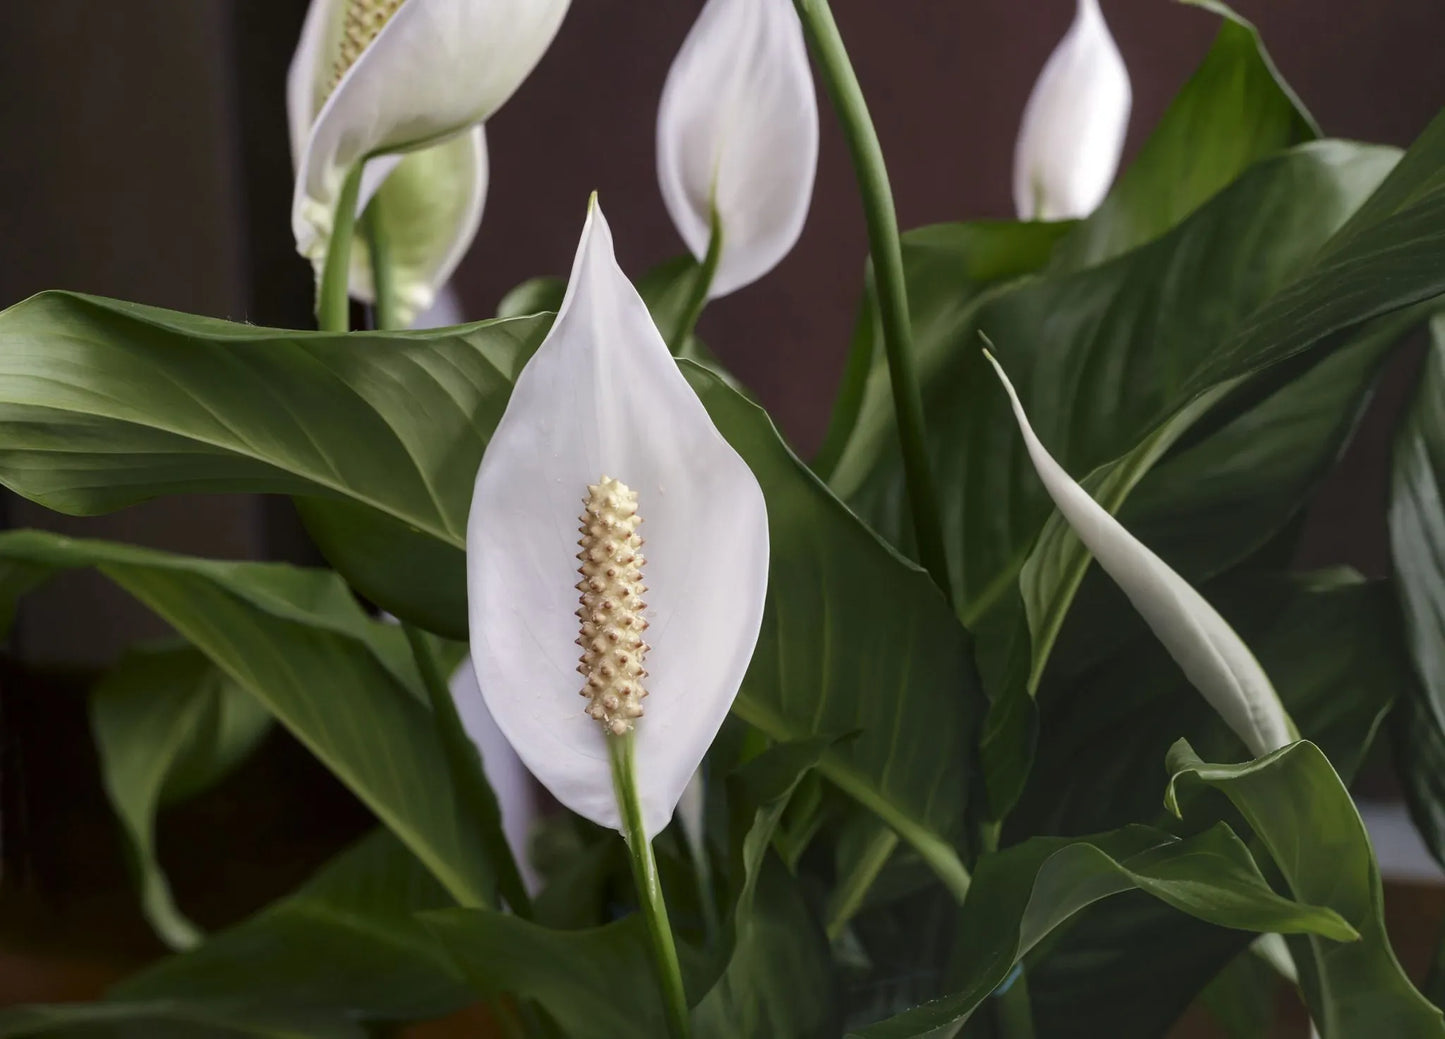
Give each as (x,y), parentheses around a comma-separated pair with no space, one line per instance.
(738,744)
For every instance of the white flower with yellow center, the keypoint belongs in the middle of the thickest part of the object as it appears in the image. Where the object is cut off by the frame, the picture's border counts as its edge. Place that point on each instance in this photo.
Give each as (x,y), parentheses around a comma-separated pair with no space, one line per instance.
(403,86)
(603,439)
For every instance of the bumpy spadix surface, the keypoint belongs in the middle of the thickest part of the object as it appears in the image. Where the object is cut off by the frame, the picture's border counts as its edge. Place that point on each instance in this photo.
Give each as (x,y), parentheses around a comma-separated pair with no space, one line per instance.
(1212,656)
(602,395)
(412,73)
(738,127)
(611,610)
(1073,126)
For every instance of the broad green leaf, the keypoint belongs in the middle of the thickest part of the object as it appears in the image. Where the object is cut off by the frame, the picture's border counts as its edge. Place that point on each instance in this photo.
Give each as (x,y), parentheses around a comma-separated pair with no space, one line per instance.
(345,943)
(1102,358)
(297,641)
(1298,807)
(1331,645)
(108,403)
(1242,997)
(167,724)
(1417,543)
(1234,110)
(1023,893)
(344,949)
(533,296)
(597,983)
(854,638)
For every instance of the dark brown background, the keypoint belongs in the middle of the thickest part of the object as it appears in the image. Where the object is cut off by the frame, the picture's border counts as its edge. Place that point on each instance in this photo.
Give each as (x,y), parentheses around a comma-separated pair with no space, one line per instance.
(143,155)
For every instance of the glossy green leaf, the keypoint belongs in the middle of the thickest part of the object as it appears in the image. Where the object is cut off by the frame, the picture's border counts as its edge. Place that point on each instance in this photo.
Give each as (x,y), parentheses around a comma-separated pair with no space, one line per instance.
(167,724)
(109,403)
(1232,112)
(1298,807)
(1023,893)
(297,641)
(1331,644)
(854,638)
(597,983)
(1417,544)
(342,950)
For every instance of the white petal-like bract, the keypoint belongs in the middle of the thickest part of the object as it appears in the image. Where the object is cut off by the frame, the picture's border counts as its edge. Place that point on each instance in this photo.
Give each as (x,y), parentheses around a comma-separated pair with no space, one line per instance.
(1073,125)
(435,68)
(738,128)
(1212,656)
(602,395)
(510,780)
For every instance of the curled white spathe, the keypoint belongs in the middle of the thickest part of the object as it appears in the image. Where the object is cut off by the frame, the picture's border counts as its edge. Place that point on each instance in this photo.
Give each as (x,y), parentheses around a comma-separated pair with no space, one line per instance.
(1213,657)
(1073,125)
(602,395)
(434,72)
(737,128)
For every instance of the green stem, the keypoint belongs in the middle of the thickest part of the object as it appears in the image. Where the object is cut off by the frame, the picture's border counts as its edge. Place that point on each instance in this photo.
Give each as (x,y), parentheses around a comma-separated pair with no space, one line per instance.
(333,304)
(847,97)
(649,888)
(383,284)
(701,286)
(848,896)
(851,390)
(468,779)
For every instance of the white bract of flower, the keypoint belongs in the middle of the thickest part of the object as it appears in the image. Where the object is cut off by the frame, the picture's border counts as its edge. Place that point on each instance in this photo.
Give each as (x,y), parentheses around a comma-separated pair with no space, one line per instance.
(1074,123)
(737,128)
(508,777)
(1214,659)
(403,86)
(602,396)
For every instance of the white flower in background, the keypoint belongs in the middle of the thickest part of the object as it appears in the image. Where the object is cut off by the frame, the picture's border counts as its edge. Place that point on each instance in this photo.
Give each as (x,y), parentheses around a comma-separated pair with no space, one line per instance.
(738,129)
(509,778)
(602,420)
(375,78)
(1073,127)
(1212,656)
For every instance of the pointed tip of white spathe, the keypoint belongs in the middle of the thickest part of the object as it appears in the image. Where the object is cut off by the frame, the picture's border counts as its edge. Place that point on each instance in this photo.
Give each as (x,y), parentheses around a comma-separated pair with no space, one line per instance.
(1209,652)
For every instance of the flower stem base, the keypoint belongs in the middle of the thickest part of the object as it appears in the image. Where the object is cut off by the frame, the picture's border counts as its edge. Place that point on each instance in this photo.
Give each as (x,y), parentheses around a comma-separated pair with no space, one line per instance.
(649,888)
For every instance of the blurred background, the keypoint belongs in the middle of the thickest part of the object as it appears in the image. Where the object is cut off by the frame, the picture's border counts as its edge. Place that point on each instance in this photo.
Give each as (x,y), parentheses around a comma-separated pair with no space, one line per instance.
(145,157)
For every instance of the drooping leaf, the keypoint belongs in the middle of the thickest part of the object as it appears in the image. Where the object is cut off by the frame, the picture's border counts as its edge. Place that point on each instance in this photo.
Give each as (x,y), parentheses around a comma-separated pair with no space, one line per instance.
(1022,893)
(1298,807)
(167,724)
(297,641)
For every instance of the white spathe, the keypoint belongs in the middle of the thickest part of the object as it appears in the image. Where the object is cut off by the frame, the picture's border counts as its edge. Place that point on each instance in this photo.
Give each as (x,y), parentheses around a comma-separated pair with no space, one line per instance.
(509,778)
(1214,658)
(601,396)
(1073,125)
(423,85)
(738,128)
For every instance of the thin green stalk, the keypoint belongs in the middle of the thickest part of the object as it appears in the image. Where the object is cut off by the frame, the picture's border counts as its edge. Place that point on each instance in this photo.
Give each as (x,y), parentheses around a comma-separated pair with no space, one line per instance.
(848,896)
(383,283)
(851,389)
(649,888)
(465,763)
(701,286)
(886,250)
(333,304)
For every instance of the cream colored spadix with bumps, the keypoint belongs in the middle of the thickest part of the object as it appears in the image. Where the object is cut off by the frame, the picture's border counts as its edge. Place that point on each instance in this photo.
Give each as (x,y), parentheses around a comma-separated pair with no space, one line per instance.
(1212,656)
(611,606)
(737,128)
(604,438)
(373,79)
